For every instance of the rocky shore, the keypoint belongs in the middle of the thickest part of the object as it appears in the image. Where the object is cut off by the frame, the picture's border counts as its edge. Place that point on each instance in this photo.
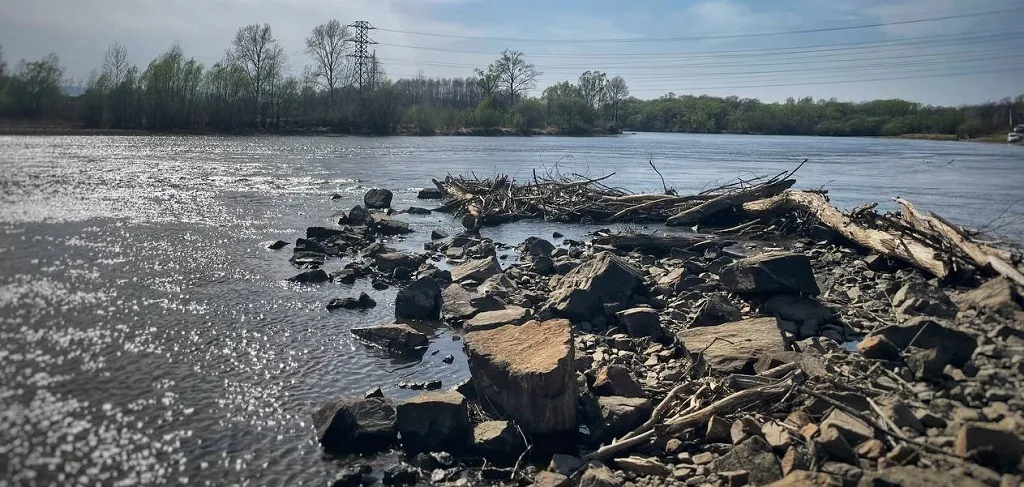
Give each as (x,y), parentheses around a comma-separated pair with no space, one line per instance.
(798,357)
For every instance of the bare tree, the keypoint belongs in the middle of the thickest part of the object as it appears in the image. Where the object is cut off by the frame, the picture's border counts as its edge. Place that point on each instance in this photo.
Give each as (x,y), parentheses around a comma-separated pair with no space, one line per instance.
(488,80)
(261,58)
(328,46)
(515,74)
(616,91)
(115,64)
(592,87)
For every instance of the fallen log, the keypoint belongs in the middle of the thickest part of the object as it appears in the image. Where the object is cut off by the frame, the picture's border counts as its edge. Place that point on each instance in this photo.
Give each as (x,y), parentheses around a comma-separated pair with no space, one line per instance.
(906,249)
(942,228)
(708,209)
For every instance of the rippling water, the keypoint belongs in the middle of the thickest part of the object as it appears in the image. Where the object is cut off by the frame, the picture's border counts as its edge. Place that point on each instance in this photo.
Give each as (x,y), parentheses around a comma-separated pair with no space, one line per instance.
(146,337)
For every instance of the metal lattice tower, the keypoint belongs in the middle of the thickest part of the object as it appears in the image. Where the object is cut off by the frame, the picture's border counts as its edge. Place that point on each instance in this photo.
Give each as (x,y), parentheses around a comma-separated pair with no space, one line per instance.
(362,54)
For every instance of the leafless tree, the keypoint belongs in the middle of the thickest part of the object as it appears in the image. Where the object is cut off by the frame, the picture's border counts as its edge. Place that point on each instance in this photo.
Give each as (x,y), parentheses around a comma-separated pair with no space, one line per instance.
(516,75)
(115,64)
(488,80)
(328,46)
(615,92)
(261,58)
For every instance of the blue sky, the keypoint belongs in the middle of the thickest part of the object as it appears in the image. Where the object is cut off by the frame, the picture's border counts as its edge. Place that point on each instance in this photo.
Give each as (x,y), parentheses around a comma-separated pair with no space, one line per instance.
(963,59)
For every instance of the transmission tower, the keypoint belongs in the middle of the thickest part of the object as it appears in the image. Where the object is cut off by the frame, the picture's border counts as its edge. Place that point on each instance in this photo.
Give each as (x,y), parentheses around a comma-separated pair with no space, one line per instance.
(362,54)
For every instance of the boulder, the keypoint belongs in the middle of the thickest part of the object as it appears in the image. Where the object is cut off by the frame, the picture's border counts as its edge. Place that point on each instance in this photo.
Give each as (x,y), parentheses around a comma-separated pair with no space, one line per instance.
(989,444)
(438,234)
(614,380)
(498,441)
(538,247)
(920,298)
(715,310)
(748,340)
(364,301)
(400,474)
(550,479)
(309,277)
(499,286)
(605,278)
(307,258)
(477,270)
(420,300)
(564,464)
(378,198)
(619,415)
(853,429)
(398,337)
(358,215)
(641,323)
(390,261)
(772,272)
(753,455)
(321,233)
(430,194)
(415,210)
(878,347)
(489,320)
(460,304)
(356,425)
(994,296)
(956,346)
(345,276)
(807,312)
(598,475)
(835,444)
(527,373)
(434,421)
(277,245)
(384,225)
(673,279)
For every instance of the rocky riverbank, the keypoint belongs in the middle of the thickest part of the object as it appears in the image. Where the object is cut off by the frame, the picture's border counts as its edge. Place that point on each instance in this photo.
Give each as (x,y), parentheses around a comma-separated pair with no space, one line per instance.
(794,358)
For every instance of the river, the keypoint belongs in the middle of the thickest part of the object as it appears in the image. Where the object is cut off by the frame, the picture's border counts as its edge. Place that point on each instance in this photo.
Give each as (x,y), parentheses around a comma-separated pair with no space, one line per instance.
(146,336)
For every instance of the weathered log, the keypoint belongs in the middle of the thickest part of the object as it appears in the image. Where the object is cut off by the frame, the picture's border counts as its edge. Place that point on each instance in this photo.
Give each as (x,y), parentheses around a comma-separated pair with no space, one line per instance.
(904,248)
(708,209)
(976,253)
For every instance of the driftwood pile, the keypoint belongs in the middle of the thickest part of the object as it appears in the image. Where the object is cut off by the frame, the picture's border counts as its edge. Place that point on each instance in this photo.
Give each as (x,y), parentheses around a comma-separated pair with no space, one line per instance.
(924,240)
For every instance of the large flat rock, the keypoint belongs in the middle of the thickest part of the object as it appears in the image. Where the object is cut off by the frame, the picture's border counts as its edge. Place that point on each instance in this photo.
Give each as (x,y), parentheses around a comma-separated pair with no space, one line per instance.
(772,272)
(527,373)
(606,278)
(739,344)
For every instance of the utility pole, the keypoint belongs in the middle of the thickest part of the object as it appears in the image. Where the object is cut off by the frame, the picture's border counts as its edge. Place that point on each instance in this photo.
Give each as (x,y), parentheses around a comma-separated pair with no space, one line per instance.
(362,55)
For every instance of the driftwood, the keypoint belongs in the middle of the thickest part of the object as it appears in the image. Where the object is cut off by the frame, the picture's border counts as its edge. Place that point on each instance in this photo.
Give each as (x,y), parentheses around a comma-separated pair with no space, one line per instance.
(710,208)
(648,243)
(884,243)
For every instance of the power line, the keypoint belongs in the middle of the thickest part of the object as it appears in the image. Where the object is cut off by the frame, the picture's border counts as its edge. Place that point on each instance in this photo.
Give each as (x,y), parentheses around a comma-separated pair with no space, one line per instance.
(1013,11)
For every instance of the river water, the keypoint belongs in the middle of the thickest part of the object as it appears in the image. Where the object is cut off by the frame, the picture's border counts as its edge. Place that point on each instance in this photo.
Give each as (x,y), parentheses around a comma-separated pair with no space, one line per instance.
(146,336)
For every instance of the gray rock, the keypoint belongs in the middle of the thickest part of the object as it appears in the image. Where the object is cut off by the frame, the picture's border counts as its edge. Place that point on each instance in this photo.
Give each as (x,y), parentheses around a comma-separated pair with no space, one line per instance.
(916,477)
(434,421)
(277,245)
(773,272)
(415,210)
(989,444)
(619,415)
(384,225)
(356,425)
(807,312)
(390,261)
(550,479)
(564,464)
(498,441)
(598,475)
(715,310)
(321,233)
(738,346)
(378,198)
(311,277)
(358,215)
(753,455)
(527,372)
(398,337)
(477,270)
(994,296)
(307,258)
(539,247)
(853,430)
(438,234)
(364,301)
(614,380)
(921,298)
(606,278)
(956,346)
(489,320)
(420,300)
(430,194)
(641,323)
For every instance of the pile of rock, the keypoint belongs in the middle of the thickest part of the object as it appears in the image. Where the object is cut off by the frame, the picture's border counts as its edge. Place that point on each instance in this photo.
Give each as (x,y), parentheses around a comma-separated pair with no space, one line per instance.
(767,363)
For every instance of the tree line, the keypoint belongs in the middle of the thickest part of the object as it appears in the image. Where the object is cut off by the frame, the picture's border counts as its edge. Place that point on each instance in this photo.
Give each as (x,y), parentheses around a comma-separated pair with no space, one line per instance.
(250,89)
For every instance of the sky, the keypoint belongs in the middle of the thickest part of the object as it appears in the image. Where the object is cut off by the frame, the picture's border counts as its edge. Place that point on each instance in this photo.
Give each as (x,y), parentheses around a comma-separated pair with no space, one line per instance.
(938,52)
